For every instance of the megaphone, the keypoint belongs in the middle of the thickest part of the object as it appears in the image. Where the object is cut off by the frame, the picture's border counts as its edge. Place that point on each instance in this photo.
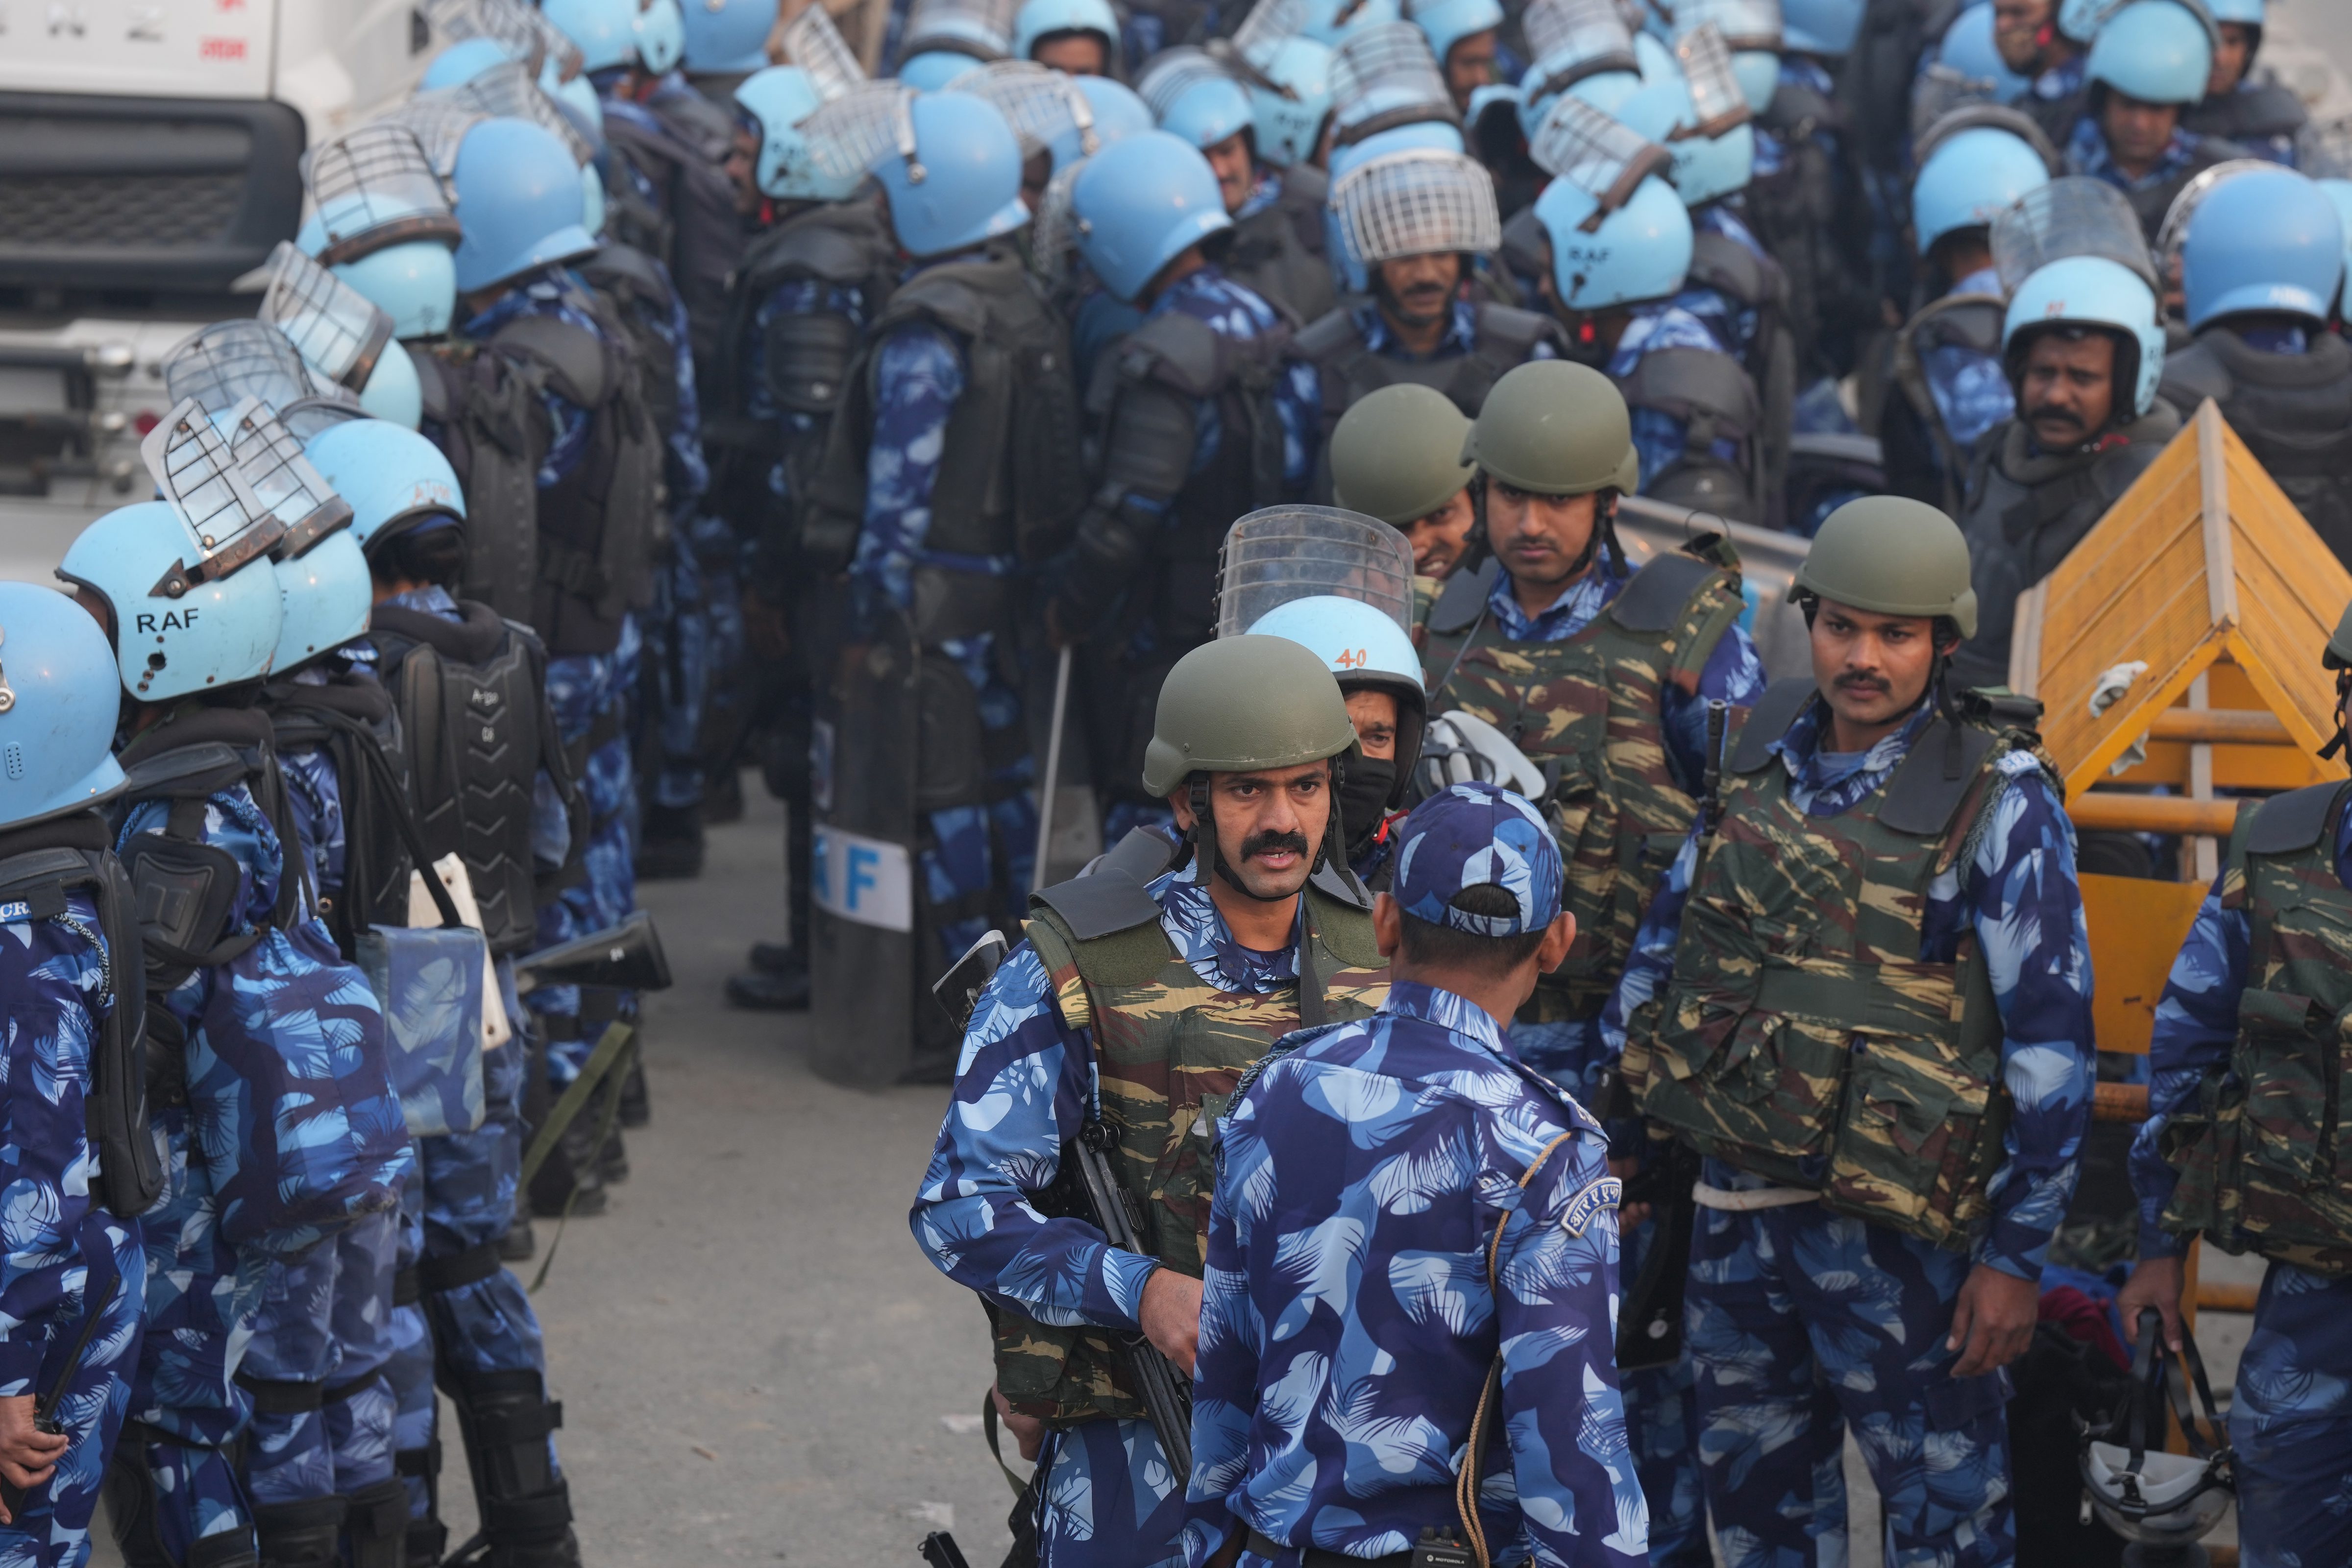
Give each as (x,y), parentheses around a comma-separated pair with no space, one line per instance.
(627,956)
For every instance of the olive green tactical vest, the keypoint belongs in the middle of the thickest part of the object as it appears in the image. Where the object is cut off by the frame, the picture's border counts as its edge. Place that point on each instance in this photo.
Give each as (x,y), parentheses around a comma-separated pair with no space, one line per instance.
(2260,1151)
(1800,1037)
(1590,707)
(1170,1048)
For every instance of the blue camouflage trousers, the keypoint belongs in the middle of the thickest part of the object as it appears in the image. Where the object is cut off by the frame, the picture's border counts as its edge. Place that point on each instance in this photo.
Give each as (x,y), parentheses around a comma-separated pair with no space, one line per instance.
(52,1531)
(1107,1499)
(980,858)
(408,1369)
(727,694)
(1662,1429)
(326,1318)
(1800,1322)
(2292,1424)
(585,689)
(676,662)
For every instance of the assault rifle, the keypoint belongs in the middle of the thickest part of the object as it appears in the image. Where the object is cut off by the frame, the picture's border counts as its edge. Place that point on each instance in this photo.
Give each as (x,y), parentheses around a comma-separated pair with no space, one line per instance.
(1085,1190)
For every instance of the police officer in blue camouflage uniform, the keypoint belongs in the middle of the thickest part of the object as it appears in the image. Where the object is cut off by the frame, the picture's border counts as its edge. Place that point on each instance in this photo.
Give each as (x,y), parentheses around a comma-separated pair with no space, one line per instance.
(1454,1211)
(409,520)
(598,484)
(1201,422)
(2147,68)
(2030,42)
(2291,1422)
(2257,112)
(1247,730)
(1832,1283)
(74,1002)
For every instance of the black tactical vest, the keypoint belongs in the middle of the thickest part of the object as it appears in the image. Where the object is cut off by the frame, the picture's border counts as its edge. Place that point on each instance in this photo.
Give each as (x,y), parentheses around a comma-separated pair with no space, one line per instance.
(687,169)
(481,411)
(471,700)
(1011,475)
(40,864)
(2151,202)
(1349,369)
(348,718)
(1713,399)
(1277,252)
(1757,283)
(2027,511)
(2294,412)
(1807,213)
(630,283)
(2267,108)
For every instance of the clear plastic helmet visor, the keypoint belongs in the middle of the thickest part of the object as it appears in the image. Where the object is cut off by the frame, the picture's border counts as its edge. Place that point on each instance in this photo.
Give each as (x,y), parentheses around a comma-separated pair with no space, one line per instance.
(2075,216)
(372,187)
(512,92)
(221,365)
(850,135)
(338,330)
(1279,554)
(1046,113)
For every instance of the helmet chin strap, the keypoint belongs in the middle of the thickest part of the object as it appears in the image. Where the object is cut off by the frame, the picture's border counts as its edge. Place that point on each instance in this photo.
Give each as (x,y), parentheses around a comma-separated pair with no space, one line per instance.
(2343,689)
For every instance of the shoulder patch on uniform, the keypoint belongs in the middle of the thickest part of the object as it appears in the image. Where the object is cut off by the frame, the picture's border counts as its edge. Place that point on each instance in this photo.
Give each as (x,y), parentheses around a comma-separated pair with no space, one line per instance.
(14,911)
(1602,1192)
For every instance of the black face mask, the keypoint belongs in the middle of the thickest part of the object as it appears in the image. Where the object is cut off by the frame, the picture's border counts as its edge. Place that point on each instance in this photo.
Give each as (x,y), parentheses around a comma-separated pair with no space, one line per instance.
(1364,791)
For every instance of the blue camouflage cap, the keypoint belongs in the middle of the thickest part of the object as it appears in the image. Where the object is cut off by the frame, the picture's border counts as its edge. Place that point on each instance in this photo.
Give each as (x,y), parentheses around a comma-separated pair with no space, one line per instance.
(1473,835)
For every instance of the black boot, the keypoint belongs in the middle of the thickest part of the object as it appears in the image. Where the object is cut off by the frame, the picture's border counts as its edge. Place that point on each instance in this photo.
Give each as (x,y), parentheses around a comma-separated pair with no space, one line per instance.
(782,988)
(670,848)
(305,1534)
(525,1508)
(375,1525)
(518,1245)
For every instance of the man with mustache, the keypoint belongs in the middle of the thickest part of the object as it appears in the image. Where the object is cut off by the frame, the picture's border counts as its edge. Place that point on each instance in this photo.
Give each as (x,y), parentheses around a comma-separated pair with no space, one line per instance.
(2083,350)
(1135,1005)
(1862,992)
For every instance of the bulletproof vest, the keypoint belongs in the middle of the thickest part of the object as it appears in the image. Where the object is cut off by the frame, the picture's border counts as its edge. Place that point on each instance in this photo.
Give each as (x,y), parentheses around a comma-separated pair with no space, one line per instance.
(1757,283)
(807,356)
(2293,411)
(1169,1051)
(1713,398)
(2152,202)
(598,526)
(1349,369)
(1875,83)
(2267,110)
(1801,1036)
(631,282)
(471,696)
(687,171)
(348,718)
(2261,1161)
(1153,386)
(1806,212)
(2027,511)
(1277,252)
(41,863)
(1011,476)
(484,414)
(1969,322)
(1587,710)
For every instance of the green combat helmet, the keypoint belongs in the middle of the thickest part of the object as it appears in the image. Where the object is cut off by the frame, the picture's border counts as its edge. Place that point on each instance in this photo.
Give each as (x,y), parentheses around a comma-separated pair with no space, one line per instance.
(1553,428)
(1240,703)
(1892,556)
(1398,455)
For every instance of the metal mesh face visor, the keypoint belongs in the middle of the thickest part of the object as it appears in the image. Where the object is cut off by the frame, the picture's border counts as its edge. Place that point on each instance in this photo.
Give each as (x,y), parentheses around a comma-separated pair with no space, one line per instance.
(1417,203)
(1265,29)
(228,526)
(1602,157)
(1037,100)
(1745,24)
(874,120)
(521,28)
(1384,76)
(372,187)
(981,28)
(222,365)
(2077,215)
(2173,233)
(270,462)
(1052,235)
(511,92)
(1174,72)
(1572,40)
(439,123)
(1281,553)
(1715,92)
(338,330)
(813,43)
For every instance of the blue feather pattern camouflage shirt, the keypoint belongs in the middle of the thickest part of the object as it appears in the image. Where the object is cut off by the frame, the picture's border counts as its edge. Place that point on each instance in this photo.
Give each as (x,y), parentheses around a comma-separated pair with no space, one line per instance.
(2020,898)
(1348,1324)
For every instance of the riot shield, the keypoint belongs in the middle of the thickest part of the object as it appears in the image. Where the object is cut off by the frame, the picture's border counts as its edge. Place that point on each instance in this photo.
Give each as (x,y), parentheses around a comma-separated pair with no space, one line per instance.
(1277,554)
(865,926)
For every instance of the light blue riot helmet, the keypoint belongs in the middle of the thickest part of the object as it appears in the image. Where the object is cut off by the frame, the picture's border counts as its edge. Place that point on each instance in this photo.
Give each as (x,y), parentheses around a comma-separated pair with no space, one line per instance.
(1758,71)
(216,633)
(57,725)
(660,32)
(1575,43)
(324,596)
(1193,97)
(1427,135)
(462,61)
(1700,118)
(2268,240)
(1824,28)
(577,98)
(1968,48)
(392,478)
(520,197)
(1751,29)
(954,179)
(933,69)
(1138,205)
(1446,23)
(1654,58)
(1118,112)
(592,199)
(2244,13)
(1970,179)
(725,36)
(2093,291)
(1040,20)
(778,99)
(1619,233)
(373,186)
(1385,76)
(1366,650)
(2158,51)
(604,30)
(1329,21)
(1289,114)
(392,392)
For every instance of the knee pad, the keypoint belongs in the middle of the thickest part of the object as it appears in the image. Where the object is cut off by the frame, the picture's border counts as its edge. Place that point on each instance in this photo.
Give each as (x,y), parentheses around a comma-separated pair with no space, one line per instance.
(305,1534)
(507,1419)
(375,1525)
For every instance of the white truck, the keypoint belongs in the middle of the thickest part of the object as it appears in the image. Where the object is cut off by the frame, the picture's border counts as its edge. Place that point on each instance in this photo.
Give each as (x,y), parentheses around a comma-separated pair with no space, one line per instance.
(150,156)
